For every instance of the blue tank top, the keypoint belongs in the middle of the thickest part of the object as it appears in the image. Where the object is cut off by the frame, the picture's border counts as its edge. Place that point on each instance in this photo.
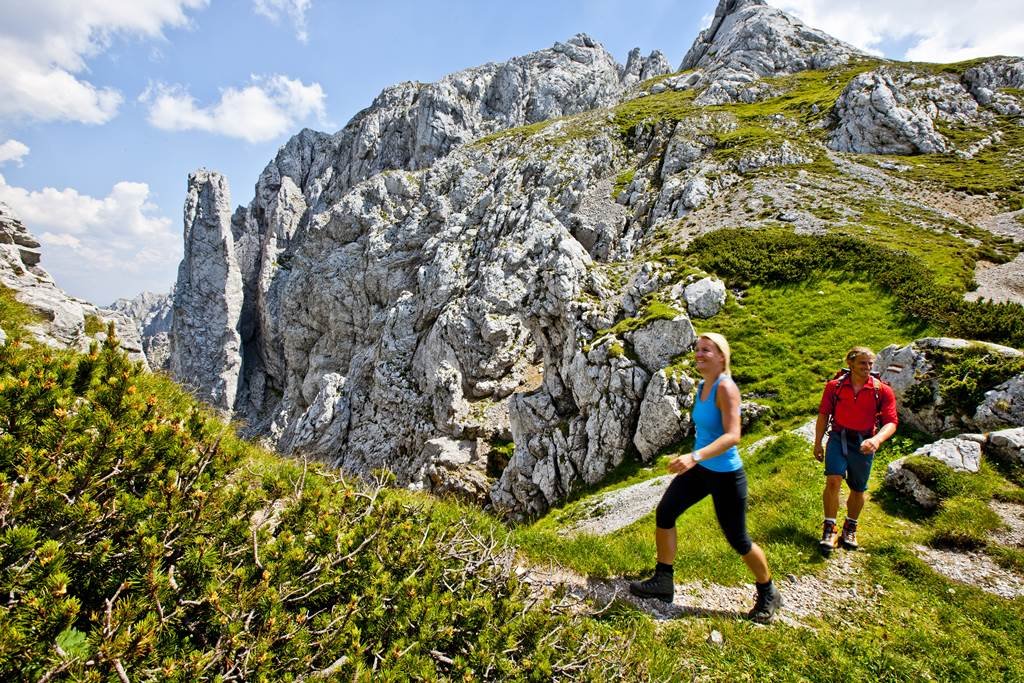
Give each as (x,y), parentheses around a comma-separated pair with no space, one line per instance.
(708,420)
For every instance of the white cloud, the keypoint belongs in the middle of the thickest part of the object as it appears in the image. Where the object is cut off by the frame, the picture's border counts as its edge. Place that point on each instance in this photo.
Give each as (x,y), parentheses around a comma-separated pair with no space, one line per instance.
(13,150)
(295,9)
(261,111)
(92,244)
(935,30)
(45,44)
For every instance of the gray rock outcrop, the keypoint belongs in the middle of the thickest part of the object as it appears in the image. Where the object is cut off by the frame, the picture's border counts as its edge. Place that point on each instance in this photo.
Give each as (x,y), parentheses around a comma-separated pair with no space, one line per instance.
(1003,405)
(64,321)
(894,109)
(205,346)
(664,415)
(961,454)
(913,372)
(1007,445)
(152,314)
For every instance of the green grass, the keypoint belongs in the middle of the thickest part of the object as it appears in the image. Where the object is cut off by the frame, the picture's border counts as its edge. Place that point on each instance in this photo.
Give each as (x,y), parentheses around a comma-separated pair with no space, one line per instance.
(997,169)
(788,340)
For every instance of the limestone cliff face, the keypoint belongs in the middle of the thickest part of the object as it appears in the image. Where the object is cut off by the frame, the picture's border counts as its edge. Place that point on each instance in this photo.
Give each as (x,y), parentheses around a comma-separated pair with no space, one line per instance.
(62,317)
(435,281)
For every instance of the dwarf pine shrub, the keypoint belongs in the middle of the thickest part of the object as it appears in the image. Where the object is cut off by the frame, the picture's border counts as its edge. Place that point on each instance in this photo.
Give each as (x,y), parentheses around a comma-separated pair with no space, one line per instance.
(141,540)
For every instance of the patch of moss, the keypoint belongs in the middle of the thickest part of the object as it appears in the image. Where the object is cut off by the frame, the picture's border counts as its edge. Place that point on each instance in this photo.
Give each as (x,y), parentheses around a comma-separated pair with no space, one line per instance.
(667,106)
(520,132)
(14,315)
(622,181)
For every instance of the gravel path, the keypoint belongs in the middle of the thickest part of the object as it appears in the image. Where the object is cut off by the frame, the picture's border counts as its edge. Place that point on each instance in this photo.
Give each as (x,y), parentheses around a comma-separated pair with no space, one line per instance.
(975,569)
(838,594)
(1013,515)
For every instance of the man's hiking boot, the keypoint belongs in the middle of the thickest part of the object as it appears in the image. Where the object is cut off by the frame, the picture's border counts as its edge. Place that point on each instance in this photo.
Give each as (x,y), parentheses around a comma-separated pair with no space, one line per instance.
(659,586)
(829,537)
(849,537)
(766,603)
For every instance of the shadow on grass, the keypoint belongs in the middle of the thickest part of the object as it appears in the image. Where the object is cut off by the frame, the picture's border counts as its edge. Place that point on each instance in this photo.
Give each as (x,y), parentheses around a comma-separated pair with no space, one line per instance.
(896,505)
(790,534)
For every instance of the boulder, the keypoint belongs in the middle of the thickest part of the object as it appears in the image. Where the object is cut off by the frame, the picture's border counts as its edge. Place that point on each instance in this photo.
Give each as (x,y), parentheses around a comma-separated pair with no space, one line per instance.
(658,342)
(705,297)
(664,417)
(1007,445)
(962,454)
(457,468)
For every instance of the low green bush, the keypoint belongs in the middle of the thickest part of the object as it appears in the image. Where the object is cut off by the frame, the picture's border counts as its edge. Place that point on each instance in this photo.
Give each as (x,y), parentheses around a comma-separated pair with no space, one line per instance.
(140,539)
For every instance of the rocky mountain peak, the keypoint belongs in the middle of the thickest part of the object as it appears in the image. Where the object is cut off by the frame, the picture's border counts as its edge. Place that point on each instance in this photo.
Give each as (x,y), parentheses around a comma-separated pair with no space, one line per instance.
(747,40)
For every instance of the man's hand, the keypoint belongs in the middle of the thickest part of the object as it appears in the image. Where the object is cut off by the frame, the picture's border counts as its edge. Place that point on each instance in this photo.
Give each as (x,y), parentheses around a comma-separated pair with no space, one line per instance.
(681,463)
(819,452)
(869,446)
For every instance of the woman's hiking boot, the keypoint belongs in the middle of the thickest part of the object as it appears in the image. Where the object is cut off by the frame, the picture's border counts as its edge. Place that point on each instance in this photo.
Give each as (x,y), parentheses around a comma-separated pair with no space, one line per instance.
(849,537)
(829,537)
(660,586)
(767,602)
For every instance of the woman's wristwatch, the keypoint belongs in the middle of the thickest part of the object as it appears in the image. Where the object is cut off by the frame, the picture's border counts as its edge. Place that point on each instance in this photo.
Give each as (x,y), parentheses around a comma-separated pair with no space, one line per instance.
(695,454)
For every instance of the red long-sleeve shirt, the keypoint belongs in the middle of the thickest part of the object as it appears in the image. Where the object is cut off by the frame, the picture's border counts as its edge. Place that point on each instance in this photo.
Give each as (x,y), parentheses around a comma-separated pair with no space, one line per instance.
(857,412)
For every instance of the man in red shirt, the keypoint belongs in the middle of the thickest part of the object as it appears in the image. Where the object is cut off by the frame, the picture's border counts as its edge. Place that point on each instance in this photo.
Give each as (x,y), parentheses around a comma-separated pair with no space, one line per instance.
(854,403)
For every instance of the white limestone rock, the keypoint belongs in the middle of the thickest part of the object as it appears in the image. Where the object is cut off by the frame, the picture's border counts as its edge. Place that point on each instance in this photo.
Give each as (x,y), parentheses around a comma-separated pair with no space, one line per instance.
(893,111)
(657,343)
(639,68)
(1003,406)
(903,480)
(62,317)
(1007,445)
(961,454)
(748,40)
(151,314)
(205,342)
(987,80)
(664,416)
(705,297)
(457,468)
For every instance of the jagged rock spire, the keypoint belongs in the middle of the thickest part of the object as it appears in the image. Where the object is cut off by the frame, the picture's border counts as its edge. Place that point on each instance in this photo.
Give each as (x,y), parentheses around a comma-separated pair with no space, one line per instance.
(205,343)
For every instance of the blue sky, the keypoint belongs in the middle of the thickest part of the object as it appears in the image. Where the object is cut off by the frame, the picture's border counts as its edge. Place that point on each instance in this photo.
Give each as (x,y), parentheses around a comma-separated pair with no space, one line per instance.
(105,107)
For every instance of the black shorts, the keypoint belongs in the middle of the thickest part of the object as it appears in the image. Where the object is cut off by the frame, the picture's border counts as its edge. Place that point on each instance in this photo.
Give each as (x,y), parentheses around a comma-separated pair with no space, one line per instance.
(728,491)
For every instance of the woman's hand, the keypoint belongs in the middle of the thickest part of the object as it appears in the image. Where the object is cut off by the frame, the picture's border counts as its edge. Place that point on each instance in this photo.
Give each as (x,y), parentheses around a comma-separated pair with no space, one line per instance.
(681,463)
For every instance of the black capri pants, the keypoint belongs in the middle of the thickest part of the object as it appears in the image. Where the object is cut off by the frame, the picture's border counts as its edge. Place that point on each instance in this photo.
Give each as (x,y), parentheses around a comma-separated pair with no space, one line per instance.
(728,491)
